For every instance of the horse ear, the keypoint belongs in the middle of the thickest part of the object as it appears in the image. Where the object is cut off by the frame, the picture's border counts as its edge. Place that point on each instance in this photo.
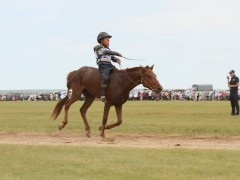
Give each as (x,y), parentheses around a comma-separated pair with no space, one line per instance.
(147,67)
(152,67)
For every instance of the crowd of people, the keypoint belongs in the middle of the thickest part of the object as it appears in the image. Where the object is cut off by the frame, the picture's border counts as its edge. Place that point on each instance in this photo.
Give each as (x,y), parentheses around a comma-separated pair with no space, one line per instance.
(181,95)
(53,96)
(29,97)
(134,95)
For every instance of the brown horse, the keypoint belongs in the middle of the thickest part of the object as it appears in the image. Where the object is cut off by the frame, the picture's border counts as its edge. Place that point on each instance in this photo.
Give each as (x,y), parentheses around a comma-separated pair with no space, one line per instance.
(87,80)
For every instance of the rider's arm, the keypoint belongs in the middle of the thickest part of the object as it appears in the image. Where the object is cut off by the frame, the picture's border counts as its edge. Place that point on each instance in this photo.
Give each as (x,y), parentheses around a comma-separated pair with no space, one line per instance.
(109,52)
(106,51)
(114,59)
(101,51)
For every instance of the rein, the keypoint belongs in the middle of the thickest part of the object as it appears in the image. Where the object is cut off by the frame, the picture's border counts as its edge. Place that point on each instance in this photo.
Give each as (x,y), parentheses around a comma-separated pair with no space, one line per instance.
(120,66)
(142,79)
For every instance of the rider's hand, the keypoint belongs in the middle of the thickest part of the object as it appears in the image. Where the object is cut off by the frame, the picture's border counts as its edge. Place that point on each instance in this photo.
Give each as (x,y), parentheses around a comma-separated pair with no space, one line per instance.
(119,61)
(119,54)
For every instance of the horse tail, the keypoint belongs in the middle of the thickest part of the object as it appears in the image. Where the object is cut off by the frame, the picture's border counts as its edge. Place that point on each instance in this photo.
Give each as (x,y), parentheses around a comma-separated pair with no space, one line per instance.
(58,108)
(69,79)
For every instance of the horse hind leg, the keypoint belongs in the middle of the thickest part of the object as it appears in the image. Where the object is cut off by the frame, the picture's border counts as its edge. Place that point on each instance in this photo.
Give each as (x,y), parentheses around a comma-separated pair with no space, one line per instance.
(75,96)
(83,110)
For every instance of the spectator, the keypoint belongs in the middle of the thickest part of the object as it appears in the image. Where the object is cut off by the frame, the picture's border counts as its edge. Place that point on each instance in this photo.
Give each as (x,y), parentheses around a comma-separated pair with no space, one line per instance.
(198,95)
(233,84)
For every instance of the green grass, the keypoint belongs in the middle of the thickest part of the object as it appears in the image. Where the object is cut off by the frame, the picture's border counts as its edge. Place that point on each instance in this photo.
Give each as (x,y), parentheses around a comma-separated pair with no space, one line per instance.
(68,162)
(157,118)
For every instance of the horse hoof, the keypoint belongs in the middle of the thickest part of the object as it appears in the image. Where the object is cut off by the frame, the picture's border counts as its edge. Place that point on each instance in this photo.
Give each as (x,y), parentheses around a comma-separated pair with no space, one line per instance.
(103,136)
(108,140)
(60,126)
(88,135)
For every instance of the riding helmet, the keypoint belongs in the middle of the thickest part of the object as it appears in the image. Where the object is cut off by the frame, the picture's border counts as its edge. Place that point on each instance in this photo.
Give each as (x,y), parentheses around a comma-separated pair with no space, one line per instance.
(102,35)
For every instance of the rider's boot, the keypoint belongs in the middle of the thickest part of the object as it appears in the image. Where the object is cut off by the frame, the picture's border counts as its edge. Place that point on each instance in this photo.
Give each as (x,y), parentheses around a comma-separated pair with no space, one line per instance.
(103,93)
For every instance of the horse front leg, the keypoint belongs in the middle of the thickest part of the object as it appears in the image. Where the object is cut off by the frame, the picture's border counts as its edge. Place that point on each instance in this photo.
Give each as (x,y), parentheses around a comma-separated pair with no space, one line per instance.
(119,118)
(104,120)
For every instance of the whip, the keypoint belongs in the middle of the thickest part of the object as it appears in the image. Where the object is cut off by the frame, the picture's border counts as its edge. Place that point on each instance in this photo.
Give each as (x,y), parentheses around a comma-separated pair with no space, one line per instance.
(133,59)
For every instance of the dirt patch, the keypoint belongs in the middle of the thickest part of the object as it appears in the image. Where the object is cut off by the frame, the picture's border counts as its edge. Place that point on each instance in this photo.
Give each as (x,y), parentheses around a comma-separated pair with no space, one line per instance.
(134,141)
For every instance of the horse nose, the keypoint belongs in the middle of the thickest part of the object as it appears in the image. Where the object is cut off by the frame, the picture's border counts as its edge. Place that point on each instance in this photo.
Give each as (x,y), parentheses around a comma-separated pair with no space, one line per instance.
(160,88)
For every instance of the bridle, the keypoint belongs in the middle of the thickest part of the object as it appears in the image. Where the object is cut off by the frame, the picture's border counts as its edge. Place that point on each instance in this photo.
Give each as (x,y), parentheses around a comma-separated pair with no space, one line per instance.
(149,84)
(143,81)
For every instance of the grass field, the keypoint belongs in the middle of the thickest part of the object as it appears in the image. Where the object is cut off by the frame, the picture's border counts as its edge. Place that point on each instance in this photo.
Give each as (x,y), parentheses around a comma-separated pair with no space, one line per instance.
(44,162)
(181,118)
(162,118)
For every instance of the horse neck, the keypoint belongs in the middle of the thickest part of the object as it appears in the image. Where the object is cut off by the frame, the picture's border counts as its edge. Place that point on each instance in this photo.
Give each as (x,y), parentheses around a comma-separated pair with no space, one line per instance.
(131,79)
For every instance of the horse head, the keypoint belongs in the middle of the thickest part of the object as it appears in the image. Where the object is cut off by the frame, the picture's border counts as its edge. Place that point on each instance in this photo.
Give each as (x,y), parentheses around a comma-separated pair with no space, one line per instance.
(149,79)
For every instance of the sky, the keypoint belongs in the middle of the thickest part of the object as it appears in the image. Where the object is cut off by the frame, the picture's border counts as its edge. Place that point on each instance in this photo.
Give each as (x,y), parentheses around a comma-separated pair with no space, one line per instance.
(188,41)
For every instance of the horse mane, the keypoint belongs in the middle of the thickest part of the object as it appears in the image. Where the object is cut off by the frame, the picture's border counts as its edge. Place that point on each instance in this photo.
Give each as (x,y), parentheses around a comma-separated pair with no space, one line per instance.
(128,69)
(131,69)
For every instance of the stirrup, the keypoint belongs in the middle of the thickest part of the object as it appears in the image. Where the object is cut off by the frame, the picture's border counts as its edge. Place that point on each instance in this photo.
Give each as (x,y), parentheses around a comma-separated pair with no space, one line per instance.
(103,98)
